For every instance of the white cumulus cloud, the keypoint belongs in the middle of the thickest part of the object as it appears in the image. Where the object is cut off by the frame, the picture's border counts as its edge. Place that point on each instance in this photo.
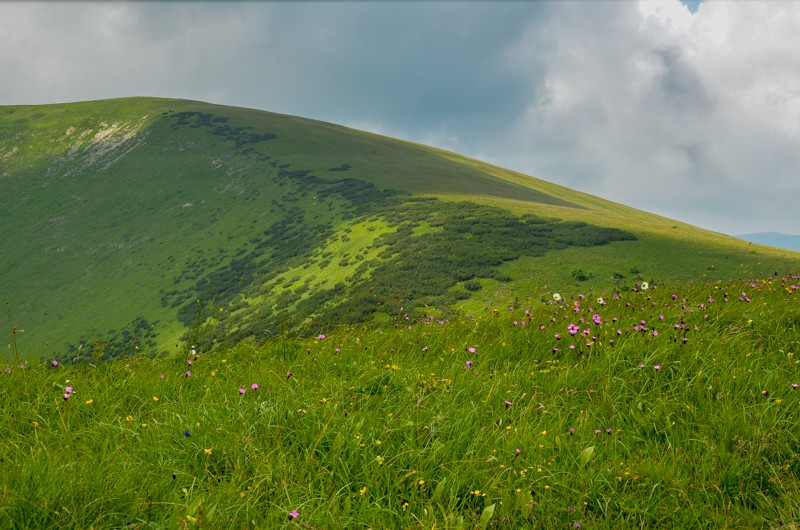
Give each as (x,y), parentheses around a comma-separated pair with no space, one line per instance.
(691,115)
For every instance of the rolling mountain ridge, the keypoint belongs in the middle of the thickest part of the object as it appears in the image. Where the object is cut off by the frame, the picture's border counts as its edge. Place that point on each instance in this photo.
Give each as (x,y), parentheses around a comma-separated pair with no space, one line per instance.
(132,224)
(774,239)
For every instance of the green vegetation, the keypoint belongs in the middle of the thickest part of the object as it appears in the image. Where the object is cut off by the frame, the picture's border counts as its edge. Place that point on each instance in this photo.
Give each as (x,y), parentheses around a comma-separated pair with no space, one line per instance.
(659,406)
(139,224)
(415,266)
(218,317)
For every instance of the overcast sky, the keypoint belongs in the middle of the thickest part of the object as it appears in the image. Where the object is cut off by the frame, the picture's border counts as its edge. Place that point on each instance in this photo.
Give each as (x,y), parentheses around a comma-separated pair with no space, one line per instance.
(689,110)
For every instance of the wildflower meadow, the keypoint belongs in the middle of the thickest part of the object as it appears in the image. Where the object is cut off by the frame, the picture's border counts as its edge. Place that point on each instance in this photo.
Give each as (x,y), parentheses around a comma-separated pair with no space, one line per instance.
(658,406)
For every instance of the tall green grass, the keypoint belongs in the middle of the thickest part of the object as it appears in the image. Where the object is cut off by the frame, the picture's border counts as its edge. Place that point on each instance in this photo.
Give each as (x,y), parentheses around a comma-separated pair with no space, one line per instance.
(686,420)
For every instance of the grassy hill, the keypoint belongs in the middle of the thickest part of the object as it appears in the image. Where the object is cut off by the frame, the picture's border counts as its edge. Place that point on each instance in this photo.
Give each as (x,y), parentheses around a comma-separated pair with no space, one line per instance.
(131,224)
(360,332)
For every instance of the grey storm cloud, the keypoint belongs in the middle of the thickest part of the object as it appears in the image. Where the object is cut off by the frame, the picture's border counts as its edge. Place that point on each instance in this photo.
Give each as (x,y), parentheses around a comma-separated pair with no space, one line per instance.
(413,69)
(680,87)
(412,65)
(690,114)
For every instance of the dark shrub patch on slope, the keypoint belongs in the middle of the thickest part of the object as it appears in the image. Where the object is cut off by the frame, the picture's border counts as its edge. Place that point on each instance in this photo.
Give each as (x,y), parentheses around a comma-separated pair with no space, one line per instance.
(465,241)
(138,336)
(418,267)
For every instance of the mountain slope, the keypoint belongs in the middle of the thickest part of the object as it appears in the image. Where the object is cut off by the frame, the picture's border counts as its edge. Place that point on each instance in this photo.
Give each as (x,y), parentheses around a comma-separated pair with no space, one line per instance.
(132,223)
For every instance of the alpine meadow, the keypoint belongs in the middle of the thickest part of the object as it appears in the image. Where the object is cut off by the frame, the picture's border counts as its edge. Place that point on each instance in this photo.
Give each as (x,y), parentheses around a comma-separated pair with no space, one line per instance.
(218,317)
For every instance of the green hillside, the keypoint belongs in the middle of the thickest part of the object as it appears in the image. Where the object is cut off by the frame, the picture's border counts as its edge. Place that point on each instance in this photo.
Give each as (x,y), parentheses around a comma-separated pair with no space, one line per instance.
(131,224)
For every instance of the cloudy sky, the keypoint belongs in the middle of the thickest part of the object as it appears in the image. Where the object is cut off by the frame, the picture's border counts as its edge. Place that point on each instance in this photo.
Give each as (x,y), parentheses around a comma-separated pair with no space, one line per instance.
(690,110)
